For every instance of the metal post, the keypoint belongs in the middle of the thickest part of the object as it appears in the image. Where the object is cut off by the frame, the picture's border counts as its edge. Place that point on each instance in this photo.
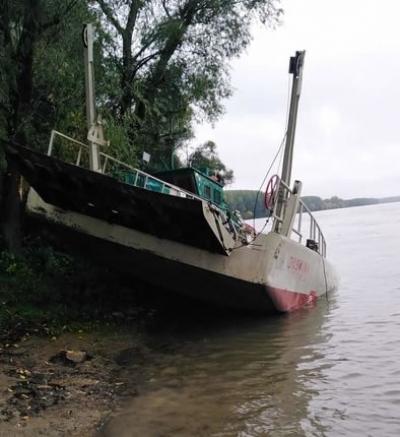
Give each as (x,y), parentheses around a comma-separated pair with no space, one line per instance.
(78,159)
(296,69)
(105,164)
(299,222)
(94,154)
(50,149)
(291,210)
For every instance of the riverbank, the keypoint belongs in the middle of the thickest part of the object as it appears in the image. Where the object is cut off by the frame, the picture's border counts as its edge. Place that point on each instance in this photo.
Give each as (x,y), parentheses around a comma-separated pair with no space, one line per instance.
(68,385)
(73,342)
(77,342)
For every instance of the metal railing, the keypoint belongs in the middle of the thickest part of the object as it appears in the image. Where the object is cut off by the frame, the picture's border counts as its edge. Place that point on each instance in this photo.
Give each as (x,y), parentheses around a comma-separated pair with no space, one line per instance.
(141,179)
(314,231)
(133,175)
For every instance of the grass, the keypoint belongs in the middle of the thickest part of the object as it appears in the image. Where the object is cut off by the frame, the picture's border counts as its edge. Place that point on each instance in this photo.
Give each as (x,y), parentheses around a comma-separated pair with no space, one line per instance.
(49,292)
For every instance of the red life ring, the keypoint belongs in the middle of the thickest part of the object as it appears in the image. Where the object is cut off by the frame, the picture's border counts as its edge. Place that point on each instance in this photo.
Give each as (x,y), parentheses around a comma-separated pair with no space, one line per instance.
(271,192)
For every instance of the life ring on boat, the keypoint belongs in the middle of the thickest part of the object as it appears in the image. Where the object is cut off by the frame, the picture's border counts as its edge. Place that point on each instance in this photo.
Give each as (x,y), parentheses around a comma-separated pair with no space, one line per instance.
(271,192)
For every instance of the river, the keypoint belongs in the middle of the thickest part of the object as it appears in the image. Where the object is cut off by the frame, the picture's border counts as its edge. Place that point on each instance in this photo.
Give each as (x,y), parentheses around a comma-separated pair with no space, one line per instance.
(331,370)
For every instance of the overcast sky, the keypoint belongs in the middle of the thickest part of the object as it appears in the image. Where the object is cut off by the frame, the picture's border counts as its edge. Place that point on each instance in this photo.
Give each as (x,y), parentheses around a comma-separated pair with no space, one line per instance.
(348,131)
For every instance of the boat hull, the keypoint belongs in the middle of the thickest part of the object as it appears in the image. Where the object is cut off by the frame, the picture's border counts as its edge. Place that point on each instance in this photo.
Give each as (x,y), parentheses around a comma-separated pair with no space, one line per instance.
(172,217)
(274,275)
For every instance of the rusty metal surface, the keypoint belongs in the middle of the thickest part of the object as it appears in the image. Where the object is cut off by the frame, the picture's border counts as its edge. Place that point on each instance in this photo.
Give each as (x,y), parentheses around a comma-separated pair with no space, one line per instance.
(97,195)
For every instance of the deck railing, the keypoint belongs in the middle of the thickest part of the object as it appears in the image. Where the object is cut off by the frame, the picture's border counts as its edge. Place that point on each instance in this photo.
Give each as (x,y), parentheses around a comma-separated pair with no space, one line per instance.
(119,169)
(139,178)
(313,231)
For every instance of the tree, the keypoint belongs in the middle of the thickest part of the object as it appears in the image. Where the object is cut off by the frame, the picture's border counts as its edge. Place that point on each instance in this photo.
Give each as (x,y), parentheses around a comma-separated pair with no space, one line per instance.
(24,25)
(250,203)
(161,65)
(206,159)
(334,202)
(172,57)
(314,203)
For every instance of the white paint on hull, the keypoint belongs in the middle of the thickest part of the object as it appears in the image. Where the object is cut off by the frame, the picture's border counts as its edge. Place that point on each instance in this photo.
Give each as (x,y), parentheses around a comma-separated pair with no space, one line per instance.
(274,261)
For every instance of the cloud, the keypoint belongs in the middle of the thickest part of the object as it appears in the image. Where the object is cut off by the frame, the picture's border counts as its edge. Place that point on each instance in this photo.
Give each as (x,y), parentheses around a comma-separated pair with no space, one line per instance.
(347,140)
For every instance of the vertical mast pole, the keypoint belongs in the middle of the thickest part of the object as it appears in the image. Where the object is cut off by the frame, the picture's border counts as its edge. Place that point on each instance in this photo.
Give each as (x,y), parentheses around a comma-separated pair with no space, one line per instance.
(94,155)
(296,69)
(296,65)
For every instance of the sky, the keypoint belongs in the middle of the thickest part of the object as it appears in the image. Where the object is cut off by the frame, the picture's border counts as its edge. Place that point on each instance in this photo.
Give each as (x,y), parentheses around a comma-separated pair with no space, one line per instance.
(348,129)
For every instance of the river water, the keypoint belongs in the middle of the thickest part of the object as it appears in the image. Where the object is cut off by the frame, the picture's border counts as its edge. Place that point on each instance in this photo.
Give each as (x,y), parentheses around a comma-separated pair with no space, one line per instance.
(331,370)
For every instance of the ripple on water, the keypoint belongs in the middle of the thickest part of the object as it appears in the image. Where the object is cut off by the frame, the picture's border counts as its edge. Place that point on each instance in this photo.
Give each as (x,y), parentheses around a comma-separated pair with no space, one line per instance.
(329,371)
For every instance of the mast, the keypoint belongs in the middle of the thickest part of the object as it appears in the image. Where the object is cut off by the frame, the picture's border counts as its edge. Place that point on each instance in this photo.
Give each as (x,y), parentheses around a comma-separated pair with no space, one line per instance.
(296,65)
(94,153)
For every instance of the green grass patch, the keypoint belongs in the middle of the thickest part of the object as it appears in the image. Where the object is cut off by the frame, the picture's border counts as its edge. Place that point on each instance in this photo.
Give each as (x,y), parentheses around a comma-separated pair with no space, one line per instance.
(48,292)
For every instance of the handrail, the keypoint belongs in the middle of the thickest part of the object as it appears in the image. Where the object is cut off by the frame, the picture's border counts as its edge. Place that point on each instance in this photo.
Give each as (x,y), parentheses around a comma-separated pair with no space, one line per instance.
(56,132)
(107,158)
(314,233)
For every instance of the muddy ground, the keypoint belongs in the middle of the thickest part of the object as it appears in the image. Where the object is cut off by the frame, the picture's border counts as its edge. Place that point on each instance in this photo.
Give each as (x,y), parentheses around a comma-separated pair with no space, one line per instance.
(68,385)
(77,343)
(71,383)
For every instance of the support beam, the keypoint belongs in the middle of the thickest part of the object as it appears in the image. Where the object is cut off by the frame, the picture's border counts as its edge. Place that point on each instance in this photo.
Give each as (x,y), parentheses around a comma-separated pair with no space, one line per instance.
(291,209)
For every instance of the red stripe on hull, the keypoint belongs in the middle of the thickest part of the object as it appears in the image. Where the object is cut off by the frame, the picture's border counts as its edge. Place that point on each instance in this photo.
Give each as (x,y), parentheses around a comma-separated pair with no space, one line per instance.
(286,300)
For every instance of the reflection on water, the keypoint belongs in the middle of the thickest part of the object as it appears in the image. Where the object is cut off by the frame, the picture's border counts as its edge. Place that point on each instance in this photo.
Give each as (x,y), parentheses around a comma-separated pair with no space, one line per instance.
(331,370)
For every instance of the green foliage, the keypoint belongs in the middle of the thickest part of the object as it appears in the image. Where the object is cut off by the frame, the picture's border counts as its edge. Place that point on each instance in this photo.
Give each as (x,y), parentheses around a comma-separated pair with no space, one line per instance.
(120,142)
(46,288)
(58,79)
(314,203)
(172,59)
(160,66)
(2,161)
(14,271)
(30,272)
(38,70)
(206,159)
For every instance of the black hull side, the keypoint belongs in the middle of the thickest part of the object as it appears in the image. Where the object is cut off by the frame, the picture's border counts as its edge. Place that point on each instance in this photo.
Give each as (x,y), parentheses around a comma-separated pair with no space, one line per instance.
(77,189)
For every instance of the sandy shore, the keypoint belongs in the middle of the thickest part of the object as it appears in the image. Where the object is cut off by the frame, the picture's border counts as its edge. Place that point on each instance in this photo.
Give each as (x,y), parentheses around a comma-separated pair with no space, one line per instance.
(44,393)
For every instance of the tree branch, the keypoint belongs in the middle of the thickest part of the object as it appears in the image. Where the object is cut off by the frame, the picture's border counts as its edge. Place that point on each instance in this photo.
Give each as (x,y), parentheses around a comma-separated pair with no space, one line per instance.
(145,60)
(133,13)
(186,16)
(144,48)
(107,12)
(164,4)
(128,32)
(56,20)
(5,24)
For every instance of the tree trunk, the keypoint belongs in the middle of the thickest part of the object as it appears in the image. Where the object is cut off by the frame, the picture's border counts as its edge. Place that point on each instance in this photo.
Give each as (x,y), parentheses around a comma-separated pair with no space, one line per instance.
(20,96)
(11,209)
(174,40)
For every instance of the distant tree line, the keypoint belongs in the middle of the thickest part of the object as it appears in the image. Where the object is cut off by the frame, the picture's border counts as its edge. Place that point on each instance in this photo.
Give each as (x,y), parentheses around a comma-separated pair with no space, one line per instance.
(315,203)
(245,202)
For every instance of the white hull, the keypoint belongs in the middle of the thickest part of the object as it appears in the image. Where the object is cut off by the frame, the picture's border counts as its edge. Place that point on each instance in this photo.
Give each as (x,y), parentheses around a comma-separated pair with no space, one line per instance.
(275,274)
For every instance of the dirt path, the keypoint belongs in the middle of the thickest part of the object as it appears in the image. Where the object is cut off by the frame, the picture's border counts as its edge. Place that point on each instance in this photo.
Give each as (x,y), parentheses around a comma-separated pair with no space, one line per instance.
(47,390)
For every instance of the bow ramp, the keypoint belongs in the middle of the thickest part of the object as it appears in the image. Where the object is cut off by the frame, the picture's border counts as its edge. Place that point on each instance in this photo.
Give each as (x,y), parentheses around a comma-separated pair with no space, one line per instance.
(191,221)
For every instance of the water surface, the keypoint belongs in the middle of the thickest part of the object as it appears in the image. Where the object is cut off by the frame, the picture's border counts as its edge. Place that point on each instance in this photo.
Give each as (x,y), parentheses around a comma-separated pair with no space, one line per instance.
(331,370)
